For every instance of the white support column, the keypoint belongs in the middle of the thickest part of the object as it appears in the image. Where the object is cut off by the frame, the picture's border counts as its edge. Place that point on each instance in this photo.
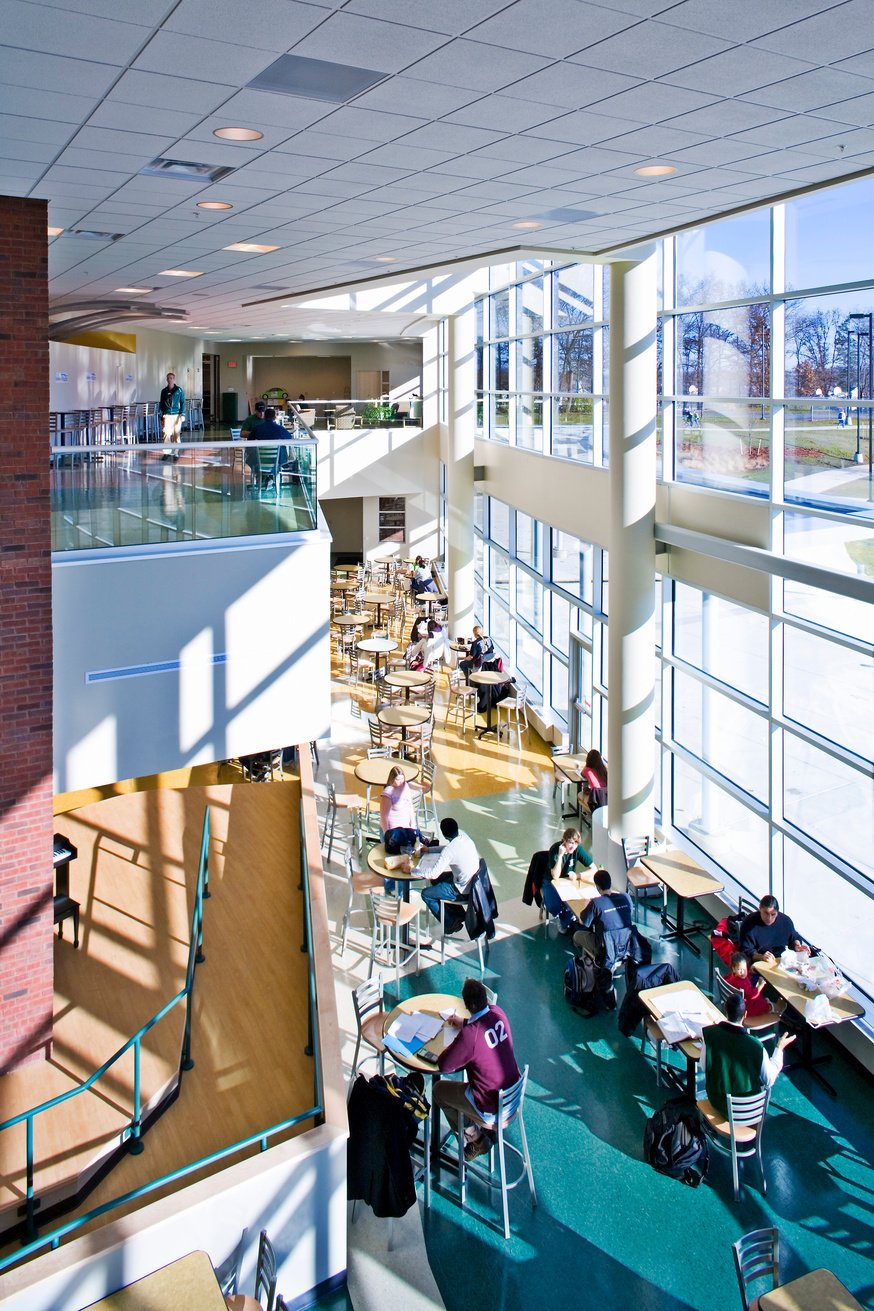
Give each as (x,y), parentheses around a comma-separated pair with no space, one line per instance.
(461,417)
(633,400)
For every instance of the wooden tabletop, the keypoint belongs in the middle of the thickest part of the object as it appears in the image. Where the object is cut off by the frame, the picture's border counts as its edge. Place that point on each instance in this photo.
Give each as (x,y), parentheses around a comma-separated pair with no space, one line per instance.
(343,585)
(354,619)
(408,678)
(653,999)
(376,771)
(405,716)
(819,1290)
(569,766)
(347,568)
(429,1003)
(378,644)
(489,677)
(376,864)
(379,598)
(188,1284)
(681,873)
(790,987)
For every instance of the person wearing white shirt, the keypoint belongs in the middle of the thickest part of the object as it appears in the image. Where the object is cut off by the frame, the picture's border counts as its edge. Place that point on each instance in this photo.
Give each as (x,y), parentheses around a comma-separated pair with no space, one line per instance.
(454,870)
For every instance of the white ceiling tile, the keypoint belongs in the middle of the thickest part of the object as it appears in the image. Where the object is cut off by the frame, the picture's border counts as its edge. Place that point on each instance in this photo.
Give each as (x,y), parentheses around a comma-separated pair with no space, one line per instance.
(812,90)
(120,117)
(15,128)
(214,61)
(476,66)
(398,155)
(718,154)
(368,124)
(859,111)
(449,16)
(854,141)
(742,20)
(323,146)
(451,137)
(260,23)
(365,174)
(543,27)
(95,180)
(583,128)
(347,38)
(569,86)
(788,132)
(52,73)
(834,34)
(478,166)
(53,31)
(402,95)
(777,161)
(523,150)
(194,94)
(737,71)
(124,165)
(502,113)
(654,101)
(542,176)
(136,143)
(726,117)
(649,50)
(49,106)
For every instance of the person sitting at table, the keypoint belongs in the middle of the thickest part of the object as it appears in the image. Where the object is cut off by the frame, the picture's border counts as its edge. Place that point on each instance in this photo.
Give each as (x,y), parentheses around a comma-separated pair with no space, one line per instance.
(421,580)
(607,928)
(454,869)
(483,1048)
(735,1062)
(397,817)
(593,794)
(481,648)
(752,993)
(767,932)
(562,861)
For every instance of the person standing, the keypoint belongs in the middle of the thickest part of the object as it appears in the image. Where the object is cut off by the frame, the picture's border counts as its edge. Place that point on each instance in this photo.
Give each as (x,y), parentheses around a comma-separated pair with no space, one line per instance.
(483,1048)
(171,407)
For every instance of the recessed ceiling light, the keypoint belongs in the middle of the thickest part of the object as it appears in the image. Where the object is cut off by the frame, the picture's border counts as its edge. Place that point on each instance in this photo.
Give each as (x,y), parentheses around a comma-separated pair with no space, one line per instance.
(213,204)
(180,273)
(386,259)
(185,170)
(133,291)
(528,223)
(55,232)
(655,170)
(250,246)
(238,134)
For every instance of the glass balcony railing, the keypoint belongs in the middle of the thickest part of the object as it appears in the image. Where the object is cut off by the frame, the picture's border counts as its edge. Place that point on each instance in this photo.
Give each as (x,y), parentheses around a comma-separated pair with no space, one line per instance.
(116,496)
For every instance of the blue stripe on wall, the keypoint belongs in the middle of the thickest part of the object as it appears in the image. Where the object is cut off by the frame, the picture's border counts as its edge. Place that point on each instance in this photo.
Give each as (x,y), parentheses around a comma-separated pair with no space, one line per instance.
(140,671)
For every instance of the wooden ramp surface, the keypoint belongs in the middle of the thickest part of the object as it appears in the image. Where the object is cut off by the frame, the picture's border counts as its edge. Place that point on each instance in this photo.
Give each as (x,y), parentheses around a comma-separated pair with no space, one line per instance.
(135,879)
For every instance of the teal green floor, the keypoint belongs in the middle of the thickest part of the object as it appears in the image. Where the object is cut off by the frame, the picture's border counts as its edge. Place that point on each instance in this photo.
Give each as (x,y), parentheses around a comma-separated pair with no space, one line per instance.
(608,1231)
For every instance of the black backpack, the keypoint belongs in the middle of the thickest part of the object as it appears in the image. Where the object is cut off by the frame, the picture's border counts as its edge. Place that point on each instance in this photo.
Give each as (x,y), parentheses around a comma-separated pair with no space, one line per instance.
(588,987)
(674,1143)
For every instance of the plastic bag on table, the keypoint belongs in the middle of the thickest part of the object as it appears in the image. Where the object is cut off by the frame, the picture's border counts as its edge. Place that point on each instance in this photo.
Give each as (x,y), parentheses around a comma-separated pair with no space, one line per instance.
(817,1010)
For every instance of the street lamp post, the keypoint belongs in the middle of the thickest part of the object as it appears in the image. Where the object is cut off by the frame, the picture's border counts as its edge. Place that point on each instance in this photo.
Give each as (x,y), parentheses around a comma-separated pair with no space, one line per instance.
(868,320)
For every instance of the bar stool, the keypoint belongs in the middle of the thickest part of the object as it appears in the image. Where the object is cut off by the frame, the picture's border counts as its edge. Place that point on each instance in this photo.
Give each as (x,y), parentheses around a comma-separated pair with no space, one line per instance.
(358,884)
(390,916)
(510,1104)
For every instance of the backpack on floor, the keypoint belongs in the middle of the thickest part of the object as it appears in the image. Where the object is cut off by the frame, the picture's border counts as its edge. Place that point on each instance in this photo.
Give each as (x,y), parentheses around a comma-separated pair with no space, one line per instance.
(588,987)
(674,1143)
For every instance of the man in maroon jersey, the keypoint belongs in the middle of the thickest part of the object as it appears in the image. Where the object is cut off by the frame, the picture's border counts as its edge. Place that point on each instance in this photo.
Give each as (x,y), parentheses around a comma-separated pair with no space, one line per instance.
(483,1048)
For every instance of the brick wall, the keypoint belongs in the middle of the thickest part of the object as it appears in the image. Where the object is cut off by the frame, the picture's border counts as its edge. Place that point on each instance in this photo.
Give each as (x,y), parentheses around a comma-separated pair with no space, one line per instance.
(26,876)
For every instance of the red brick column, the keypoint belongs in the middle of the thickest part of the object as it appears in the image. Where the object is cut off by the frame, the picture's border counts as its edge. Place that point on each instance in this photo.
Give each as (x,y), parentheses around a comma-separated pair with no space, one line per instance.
(26,875)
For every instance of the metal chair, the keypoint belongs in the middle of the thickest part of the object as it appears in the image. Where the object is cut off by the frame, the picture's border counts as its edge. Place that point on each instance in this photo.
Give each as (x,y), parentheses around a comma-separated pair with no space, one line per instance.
(741,1127)
(638,879)
(228,1272)
(756,1256)
(265,1281)
(423,793)
(462,701)
(755,1023)
(515,709)
(390,917)
(358,884)
(345,801)
(510,1106)
(370,1016)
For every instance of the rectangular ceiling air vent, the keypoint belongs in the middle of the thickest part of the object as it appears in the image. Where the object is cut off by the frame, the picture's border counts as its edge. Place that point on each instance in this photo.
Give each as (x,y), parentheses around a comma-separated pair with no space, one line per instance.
(317,79)
(89,234)
(569,215)
(185,170)
(266,286)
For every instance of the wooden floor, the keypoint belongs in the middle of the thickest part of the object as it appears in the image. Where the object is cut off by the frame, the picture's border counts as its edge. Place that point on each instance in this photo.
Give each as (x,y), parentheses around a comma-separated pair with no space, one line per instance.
(134,878)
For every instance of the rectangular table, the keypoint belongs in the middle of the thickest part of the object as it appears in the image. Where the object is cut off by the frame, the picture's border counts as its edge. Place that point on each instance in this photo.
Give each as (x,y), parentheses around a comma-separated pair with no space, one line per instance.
(654,1001)
(791,989)
(819,1290)
(568,768)
(687,880)
(189,1284)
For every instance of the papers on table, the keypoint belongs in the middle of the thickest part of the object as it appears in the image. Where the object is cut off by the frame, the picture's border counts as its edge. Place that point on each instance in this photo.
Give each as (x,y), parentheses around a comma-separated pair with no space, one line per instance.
(427,861)
(684,1014)
(409,1033)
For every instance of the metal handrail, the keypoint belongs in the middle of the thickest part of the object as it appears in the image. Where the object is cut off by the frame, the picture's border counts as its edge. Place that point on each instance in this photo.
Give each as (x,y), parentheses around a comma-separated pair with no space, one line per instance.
(53,1237)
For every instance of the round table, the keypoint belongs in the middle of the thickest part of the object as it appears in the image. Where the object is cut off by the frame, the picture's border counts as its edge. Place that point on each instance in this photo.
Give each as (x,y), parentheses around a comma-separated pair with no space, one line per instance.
(403,717)
(427,599)
(347,568)
(429,1003)
(489,678)
(377,646)
(375,772)
(343,585)
(407,678)
(376,864)
(379,599)
(353,619)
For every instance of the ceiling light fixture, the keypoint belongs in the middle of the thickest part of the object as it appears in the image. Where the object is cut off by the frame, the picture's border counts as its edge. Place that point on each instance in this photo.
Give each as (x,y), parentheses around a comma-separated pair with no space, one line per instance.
(55,232)
(133,291)
(386,259)
(251,247)
(185,170)
(528,223)
(213,204)
(655,170)
(238,134)
(180,273)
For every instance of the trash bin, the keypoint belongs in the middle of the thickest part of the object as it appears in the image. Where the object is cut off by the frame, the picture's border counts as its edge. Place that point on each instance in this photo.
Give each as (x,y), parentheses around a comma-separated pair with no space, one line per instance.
(229,407)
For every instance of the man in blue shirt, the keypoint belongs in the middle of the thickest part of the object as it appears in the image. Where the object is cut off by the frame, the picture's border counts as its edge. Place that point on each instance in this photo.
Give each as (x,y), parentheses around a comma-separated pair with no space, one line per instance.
(268,430)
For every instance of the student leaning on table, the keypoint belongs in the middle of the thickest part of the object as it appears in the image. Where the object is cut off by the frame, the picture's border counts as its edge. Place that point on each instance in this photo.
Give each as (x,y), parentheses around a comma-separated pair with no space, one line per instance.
(454,870)
(735,1063)
(562,860)
(483,1048)
(767,932)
